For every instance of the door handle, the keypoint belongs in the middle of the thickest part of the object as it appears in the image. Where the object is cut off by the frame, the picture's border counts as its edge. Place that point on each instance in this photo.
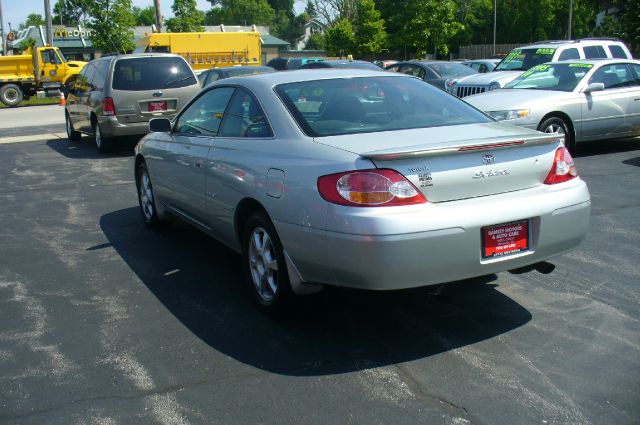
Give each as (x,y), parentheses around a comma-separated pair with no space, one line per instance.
(636,99)
(186,146)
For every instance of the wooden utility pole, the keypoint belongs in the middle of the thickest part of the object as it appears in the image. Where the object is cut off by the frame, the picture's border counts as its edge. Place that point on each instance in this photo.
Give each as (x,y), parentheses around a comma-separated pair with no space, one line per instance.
(3,44)
(159,24)
(47,14)
(570,18)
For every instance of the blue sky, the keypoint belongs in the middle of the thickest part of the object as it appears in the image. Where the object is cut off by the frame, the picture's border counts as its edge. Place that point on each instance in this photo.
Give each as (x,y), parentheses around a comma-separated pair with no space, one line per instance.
(16,11)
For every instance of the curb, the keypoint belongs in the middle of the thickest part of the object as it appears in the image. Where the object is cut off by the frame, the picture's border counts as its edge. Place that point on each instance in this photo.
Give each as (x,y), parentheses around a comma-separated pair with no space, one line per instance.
(32,138)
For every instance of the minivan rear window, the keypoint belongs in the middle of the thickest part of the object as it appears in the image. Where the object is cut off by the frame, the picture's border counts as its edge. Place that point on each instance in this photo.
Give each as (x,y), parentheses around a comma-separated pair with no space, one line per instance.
(152,73)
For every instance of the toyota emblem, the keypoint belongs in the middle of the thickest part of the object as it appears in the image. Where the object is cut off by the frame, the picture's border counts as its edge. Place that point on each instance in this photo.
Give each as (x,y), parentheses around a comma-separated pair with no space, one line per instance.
(488,159)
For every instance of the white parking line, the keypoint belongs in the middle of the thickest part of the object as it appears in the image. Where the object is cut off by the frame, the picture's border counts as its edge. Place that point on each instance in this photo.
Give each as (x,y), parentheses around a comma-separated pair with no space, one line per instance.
(32,138)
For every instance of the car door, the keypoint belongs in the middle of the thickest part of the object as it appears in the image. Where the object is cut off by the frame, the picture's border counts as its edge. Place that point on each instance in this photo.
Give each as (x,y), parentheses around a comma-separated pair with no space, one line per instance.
(73,98)
(238,163)
(608,113)
(182,170)
(83,94)
(634,113)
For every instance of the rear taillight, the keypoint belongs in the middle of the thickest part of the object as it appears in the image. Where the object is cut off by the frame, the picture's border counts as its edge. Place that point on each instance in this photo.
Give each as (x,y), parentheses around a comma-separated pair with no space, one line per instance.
(563,168)
(369,188)
(108,107)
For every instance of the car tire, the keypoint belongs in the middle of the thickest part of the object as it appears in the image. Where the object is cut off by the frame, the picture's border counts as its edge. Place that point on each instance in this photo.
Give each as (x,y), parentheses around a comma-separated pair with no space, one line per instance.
(72,135)
(11,94)
(265,266)
(146,198)
(103,144)
(558,125)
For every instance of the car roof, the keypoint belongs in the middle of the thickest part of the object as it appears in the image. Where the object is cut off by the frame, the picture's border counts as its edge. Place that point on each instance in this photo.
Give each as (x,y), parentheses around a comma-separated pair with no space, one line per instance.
(284,77)
(558,43)
(597,61)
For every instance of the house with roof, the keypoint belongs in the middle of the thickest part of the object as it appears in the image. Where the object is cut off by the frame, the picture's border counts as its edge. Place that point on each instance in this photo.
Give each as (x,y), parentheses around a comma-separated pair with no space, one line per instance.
(312,26)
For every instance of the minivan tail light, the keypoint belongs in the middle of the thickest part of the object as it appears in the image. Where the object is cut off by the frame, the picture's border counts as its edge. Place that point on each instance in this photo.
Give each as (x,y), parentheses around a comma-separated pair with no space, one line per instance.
(369,188)
(563,168)
(108,107)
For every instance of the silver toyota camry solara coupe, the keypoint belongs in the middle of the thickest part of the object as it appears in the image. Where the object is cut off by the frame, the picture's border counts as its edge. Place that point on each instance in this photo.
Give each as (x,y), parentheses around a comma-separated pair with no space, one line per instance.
(361,179)
(584,99)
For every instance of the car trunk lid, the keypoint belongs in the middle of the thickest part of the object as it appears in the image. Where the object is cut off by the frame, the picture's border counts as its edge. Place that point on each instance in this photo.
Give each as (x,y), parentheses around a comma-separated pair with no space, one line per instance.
(484,159)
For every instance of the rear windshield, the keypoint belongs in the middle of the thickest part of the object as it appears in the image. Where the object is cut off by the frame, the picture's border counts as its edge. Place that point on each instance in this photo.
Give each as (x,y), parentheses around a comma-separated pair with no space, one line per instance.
(523,59)
(152,73)
(451,70)
(370,104)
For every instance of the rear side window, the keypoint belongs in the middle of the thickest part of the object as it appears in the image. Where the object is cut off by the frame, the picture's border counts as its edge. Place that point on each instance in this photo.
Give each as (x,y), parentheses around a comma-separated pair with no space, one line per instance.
(152,73)
(617,52)
(591,52)
(569,54)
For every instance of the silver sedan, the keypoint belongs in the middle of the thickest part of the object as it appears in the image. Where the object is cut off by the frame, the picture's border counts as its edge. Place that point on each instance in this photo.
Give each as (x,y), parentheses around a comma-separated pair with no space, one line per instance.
(357,178)
(584,99)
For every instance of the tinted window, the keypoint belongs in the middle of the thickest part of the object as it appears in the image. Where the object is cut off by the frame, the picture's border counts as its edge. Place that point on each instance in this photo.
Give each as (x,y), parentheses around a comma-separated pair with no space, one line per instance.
(152,73)
(569,54)
(203,77)
(617,52)
(204,115)
(594,52)
(88,76)
(414,70)
(371,104)
(244,117)
(613,76)
(100,76)
(450,70)
(523,59)
(636,71)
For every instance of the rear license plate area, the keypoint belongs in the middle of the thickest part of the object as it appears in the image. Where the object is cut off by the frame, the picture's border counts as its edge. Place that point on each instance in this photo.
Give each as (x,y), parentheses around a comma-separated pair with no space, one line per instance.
(157,106)
(505,239)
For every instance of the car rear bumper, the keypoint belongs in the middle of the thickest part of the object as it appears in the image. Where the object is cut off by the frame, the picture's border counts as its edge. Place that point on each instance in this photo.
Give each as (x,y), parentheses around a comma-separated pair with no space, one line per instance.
(436,243)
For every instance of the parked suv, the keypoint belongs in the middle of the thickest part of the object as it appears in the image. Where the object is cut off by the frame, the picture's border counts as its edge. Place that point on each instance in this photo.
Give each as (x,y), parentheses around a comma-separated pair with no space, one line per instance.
(526,57)
(117,95)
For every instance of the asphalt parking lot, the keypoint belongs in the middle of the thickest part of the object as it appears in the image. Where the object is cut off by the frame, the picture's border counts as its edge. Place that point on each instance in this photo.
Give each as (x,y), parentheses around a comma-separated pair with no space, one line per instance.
(105,322)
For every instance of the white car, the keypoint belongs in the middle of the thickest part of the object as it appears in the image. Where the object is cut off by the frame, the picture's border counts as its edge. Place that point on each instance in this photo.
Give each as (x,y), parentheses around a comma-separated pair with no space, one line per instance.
(526,57)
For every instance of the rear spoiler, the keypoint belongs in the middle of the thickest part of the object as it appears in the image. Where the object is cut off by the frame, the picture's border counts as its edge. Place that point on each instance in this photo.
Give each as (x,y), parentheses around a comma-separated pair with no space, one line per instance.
(462,146)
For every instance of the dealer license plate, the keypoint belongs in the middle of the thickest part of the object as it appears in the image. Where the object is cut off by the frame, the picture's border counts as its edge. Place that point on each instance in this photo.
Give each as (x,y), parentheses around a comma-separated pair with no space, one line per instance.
(157,106)
(505,239)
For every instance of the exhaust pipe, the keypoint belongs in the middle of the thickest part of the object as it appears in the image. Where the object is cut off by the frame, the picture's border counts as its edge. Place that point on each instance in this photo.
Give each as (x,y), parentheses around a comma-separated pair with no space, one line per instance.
(543,267)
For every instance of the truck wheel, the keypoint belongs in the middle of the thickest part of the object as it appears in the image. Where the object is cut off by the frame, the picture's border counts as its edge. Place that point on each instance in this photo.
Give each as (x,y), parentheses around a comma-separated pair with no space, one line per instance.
(11,94)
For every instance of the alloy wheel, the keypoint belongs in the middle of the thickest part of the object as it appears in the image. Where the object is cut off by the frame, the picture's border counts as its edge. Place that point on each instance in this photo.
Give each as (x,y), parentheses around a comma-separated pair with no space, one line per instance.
(146,196)
(263,264)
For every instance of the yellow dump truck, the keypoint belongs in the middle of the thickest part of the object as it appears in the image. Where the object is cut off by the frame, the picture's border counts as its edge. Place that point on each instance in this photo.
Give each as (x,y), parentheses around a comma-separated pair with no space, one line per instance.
(204,50)
(42,69)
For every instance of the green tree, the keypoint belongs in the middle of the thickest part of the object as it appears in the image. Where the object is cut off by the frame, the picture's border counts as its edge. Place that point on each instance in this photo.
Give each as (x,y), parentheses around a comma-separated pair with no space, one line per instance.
(240,12)
(315,42)
(339,39)
(33,19)
(310,9)
(112,23)
(144,16)
(186,17)
(370,34)
(630,25)
(72,12)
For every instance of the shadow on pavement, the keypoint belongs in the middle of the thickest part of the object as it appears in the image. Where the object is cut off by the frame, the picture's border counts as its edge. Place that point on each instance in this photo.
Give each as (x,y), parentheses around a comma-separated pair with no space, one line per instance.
(85,148)
(601,147)
(201,283)
(633,161)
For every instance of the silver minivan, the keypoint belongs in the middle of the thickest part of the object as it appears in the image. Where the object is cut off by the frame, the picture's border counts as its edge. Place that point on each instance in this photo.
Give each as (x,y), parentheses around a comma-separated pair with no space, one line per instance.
(117,95)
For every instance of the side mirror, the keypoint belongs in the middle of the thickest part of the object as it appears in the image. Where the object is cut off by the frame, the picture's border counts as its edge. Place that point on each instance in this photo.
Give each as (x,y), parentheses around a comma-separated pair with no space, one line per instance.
(159,125)
(593,87)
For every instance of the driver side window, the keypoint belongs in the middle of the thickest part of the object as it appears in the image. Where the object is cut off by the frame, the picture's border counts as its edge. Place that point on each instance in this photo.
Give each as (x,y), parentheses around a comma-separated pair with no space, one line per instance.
(245,118)
(203,117)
